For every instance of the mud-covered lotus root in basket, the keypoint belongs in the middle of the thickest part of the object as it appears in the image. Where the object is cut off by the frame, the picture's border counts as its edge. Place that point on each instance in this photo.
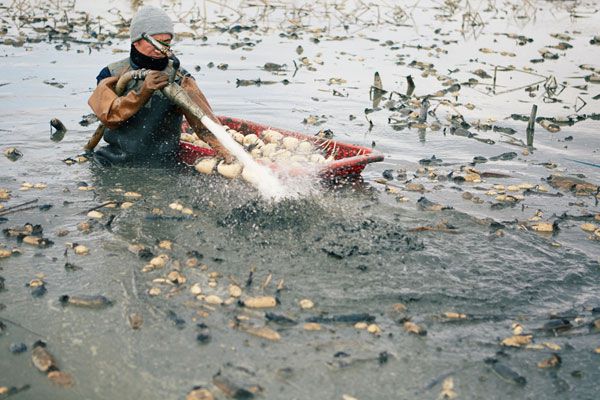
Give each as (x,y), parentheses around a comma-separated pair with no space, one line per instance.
(271,147)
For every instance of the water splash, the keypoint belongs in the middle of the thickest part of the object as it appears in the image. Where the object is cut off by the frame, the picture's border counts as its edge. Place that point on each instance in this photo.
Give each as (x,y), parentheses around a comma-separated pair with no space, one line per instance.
(270,186)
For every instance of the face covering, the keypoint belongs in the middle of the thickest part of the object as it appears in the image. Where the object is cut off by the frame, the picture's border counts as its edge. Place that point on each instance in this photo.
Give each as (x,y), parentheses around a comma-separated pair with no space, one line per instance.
(143,61)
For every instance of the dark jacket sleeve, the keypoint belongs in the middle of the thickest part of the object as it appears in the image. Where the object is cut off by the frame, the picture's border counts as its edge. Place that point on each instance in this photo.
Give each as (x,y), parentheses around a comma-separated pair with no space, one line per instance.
(105,73)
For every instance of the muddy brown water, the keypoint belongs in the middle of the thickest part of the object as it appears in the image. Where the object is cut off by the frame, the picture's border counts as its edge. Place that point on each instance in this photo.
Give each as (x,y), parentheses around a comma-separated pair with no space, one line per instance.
(349,249)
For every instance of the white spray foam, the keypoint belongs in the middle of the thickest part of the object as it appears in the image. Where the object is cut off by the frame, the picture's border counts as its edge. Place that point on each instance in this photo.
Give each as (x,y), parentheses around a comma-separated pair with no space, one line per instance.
(267,183)
(302,179)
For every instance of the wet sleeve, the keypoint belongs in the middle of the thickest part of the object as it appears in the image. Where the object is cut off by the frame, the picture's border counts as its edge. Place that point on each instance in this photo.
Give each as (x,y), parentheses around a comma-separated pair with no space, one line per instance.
(111,109)
(105,73)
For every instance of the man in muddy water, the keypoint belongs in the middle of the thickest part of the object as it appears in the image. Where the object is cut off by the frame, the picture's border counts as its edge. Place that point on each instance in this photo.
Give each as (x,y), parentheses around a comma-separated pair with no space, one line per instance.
(142,125)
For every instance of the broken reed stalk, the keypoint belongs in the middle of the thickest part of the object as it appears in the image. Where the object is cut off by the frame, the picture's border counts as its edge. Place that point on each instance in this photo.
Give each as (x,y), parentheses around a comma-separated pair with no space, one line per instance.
(411,86)
(584,103)
(20,209)
(106,203)
(521,87)
(16,208)
(18,325)
(266,282)
(224,5)
(531,125)
(423,112)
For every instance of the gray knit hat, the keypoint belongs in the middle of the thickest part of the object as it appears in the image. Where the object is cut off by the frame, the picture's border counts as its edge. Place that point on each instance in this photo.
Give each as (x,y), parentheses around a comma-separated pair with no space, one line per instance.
(150,20)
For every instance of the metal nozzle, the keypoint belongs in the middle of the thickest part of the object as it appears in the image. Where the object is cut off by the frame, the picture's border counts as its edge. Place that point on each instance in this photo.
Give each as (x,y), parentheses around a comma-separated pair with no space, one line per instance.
(166,51)
(157,45)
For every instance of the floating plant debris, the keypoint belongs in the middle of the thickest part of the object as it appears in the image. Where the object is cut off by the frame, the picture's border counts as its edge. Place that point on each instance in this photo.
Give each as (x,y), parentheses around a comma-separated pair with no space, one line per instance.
(86,301)
(505,373)
(12,153)
(41,357)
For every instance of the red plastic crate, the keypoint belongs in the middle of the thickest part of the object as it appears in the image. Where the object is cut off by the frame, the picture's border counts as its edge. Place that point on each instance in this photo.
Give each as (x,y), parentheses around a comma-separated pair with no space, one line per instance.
(349,159)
